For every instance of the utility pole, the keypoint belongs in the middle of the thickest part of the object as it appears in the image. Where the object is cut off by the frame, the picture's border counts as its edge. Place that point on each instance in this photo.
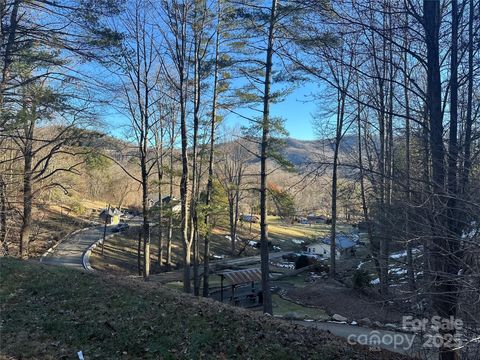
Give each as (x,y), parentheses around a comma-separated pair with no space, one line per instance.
(105,228)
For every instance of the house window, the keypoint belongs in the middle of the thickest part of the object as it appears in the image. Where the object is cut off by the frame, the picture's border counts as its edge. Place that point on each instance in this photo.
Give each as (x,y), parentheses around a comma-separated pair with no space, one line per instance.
(313,249)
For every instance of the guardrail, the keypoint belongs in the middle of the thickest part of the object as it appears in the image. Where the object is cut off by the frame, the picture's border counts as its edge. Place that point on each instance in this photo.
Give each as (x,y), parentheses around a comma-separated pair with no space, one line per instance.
(51,249)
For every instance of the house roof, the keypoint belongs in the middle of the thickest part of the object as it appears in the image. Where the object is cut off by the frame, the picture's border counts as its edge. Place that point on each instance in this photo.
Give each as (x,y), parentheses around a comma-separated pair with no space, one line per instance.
(341,241)
(235,277)
(110,212)
(166,198)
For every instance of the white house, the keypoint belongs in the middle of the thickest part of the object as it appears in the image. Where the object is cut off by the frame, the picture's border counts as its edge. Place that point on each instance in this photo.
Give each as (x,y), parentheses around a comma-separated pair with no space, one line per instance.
(168,202)
(322,250)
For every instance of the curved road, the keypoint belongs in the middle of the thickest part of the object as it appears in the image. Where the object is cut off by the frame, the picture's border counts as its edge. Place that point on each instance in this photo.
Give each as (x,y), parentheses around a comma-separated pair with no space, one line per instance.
(70,251)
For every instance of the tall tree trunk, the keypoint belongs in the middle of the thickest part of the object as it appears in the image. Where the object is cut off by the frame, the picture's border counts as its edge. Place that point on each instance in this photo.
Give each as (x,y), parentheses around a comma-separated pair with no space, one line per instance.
(170,216)
(159,141)
(3,215)
(338,139)
(27,206)
(196,259)
(146,224)
(184,205)
(467,162)
(453,129)
(139,254)
(384,162)
(443,268)
(208,197)
(194,180)
(184,193)
(181,51)
(237,201)
(366,216)
(231,220)
(409,245)
(27,186)
(267,296)
(211,157)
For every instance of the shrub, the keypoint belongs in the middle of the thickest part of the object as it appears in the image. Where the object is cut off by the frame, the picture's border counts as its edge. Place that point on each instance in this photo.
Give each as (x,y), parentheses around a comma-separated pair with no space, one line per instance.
(360,279)
(78,208)
(303,261)
(322,268)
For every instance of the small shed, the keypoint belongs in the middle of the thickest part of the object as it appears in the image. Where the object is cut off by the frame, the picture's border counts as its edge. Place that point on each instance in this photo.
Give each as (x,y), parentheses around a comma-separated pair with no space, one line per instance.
(110,216)
(240,285)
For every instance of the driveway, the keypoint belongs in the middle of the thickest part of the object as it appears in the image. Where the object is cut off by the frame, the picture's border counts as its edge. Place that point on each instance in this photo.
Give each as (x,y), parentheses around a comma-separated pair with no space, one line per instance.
(70,251)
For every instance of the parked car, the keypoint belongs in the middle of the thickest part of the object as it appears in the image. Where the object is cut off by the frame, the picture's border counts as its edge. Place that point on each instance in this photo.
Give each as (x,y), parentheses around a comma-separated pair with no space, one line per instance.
(250,218)
(120,227)
(290,257)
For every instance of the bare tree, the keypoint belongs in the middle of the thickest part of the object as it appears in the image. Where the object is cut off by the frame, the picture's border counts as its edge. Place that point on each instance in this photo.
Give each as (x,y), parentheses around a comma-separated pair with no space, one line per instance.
(176,16)
(230,172)
(139,73)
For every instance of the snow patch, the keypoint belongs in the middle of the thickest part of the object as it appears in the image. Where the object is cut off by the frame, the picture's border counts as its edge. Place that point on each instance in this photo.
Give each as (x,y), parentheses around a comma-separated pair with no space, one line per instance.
(397,271)
(361,264)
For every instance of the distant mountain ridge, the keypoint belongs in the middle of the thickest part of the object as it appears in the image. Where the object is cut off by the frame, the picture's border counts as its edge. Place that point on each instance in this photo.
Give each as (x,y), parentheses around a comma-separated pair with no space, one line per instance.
(304,152)
(298,152)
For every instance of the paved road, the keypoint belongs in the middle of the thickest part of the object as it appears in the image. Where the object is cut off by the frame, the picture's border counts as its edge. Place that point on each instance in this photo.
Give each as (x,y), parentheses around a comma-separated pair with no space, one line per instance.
(70,251)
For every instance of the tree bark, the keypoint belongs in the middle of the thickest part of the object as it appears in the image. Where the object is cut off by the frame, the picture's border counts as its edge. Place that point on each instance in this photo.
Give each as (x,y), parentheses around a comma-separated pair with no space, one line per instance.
(267,296)
(363,196)
(159,141)
(410,266)
(194,179)
(467,162)
(184,193)
(211,156)
(27,185)
(170,217)
(3,215)
(443,297)
(338,139)
(453,129)
(146,224)
(139,254)
(231,219)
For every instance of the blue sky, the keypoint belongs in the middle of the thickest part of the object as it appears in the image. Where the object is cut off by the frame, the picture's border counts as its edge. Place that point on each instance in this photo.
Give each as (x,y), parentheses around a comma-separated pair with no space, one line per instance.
(297,110)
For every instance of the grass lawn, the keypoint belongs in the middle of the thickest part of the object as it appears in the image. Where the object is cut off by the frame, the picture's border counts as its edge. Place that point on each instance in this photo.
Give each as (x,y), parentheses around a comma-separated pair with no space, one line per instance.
(54,312)
(120,253)
(296,281)
(282,234)
(283,307)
